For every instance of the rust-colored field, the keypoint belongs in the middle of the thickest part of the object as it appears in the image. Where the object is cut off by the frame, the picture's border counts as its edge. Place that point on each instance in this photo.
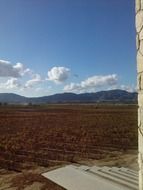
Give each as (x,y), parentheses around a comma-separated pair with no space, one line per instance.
(55,134)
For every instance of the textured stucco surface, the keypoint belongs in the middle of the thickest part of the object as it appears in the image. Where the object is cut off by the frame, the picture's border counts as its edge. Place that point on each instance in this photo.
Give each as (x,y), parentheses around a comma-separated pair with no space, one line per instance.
(139,45)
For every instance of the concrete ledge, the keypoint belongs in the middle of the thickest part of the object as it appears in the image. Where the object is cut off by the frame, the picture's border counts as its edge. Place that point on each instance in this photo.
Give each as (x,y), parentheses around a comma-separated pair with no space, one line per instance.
(94,178)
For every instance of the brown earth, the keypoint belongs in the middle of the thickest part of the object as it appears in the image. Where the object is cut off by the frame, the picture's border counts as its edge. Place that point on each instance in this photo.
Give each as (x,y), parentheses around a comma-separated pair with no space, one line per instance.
(32,179)
(48,136)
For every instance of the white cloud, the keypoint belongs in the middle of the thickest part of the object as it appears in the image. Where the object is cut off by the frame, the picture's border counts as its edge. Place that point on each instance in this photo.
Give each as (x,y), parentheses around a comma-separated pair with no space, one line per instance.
(92,83)
(36,79)
(9,70)
(11,83)
(72,87)
(41,89)
(14,72)
(58,74)
(21,70)
(128,88)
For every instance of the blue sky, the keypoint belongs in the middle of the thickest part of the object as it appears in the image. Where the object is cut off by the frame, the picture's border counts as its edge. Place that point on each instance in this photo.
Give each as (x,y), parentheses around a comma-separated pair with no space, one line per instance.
(55,46)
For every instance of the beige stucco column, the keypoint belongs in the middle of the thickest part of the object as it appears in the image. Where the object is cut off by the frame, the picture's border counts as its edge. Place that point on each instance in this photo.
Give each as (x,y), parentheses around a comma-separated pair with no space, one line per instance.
(139,44)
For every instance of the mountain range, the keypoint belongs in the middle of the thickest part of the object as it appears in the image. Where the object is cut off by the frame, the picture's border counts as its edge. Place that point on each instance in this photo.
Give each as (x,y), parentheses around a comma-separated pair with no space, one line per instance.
(113,96)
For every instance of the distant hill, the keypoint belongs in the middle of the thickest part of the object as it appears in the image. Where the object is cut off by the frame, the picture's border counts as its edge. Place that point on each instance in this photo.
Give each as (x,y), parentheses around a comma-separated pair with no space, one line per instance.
(12,98)
(113,96)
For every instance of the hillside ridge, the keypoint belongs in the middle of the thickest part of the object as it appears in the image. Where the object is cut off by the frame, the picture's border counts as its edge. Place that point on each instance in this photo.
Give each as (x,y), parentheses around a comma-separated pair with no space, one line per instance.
(119,96)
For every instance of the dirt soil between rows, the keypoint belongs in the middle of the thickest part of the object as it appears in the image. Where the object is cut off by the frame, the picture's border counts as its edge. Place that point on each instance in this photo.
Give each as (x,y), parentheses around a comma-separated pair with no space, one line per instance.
(33,180)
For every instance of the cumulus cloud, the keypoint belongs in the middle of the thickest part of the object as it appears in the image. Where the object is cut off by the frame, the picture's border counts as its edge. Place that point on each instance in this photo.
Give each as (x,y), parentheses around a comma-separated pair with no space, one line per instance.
(36,79)
(58,74)
(92,83)
(14,72)
(11,83)
(22,70)
(9,70)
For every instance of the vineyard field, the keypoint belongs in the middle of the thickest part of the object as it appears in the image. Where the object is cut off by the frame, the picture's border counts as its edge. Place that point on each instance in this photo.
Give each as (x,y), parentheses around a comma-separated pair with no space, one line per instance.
(56,134)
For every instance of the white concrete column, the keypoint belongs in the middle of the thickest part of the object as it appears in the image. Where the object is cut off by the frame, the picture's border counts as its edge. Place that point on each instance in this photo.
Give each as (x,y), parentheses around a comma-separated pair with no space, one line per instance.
(139,45)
